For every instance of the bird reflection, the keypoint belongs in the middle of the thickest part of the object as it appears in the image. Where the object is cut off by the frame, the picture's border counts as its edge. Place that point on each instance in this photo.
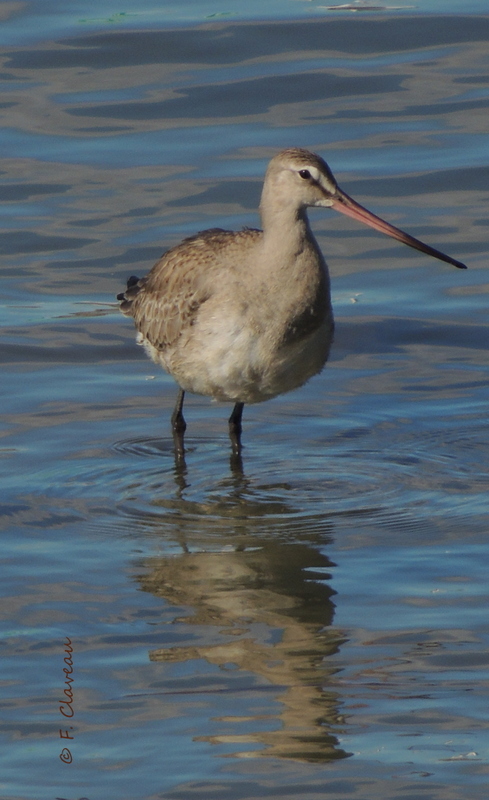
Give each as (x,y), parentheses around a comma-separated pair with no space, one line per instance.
(236,467)
(253,571)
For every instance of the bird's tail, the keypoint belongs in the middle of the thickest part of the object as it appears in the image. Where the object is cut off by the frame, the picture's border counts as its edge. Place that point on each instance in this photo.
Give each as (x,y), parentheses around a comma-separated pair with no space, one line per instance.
(126,297)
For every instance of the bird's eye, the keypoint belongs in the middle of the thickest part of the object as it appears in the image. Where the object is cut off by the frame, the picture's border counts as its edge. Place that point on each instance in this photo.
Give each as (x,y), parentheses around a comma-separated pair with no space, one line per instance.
(304,173)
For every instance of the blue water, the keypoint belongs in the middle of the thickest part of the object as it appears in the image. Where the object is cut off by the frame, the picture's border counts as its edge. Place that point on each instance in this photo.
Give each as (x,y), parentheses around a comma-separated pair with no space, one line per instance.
(47,19)
(312,623)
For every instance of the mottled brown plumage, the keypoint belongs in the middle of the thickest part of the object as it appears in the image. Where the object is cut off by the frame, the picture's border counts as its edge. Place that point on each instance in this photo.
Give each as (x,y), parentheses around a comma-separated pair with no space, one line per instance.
(165,302)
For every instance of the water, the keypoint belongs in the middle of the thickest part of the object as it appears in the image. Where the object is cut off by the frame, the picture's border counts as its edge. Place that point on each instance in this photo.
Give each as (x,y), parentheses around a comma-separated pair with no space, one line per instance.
(315,624)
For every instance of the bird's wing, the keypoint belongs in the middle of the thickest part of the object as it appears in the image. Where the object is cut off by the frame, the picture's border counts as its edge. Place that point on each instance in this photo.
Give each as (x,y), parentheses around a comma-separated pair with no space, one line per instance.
(165,302)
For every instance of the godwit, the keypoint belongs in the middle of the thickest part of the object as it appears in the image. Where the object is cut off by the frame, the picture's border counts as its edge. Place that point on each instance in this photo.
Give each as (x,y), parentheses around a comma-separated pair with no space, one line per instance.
(243,316)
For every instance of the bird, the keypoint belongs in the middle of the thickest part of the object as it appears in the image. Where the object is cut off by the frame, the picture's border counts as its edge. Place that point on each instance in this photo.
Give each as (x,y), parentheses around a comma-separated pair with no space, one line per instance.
(244,316)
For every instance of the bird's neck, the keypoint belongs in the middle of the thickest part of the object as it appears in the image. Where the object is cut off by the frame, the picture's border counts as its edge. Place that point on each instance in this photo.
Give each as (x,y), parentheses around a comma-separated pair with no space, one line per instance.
(286,229)
(296,273)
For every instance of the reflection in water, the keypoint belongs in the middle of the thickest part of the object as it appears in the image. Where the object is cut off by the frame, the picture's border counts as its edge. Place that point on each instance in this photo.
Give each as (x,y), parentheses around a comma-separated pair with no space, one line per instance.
(272,610)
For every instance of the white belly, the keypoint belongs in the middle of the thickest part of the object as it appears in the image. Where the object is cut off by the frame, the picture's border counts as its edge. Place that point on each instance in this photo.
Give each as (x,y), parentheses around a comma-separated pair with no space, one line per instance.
(236,364)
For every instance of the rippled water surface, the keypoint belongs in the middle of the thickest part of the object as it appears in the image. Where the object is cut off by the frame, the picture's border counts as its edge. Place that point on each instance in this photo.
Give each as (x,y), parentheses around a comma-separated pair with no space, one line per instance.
(311,623)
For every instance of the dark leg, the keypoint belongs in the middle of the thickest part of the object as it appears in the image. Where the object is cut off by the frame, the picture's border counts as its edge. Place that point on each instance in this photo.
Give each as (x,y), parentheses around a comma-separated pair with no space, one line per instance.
(235,427)
(178,423)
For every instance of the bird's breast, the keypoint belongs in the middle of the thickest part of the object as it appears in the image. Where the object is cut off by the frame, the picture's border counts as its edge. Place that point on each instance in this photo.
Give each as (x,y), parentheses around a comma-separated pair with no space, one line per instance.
(236,358)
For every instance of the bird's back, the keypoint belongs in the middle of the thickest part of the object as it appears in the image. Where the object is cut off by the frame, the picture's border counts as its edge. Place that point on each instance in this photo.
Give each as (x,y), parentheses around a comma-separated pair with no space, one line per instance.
(166,301)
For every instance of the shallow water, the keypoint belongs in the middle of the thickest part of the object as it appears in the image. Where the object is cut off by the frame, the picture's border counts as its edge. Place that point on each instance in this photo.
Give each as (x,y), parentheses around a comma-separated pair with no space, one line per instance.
(312,623)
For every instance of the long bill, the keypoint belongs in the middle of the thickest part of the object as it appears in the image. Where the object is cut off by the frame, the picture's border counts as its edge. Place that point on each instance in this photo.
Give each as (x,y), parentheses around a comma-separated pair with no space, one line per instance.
(346,205)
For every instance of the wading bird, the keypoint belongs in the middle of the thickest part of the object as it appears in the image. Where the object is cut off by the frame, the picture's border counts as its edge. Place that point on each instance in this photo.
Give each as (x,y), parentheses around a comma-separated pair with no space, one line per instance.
(242,316)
